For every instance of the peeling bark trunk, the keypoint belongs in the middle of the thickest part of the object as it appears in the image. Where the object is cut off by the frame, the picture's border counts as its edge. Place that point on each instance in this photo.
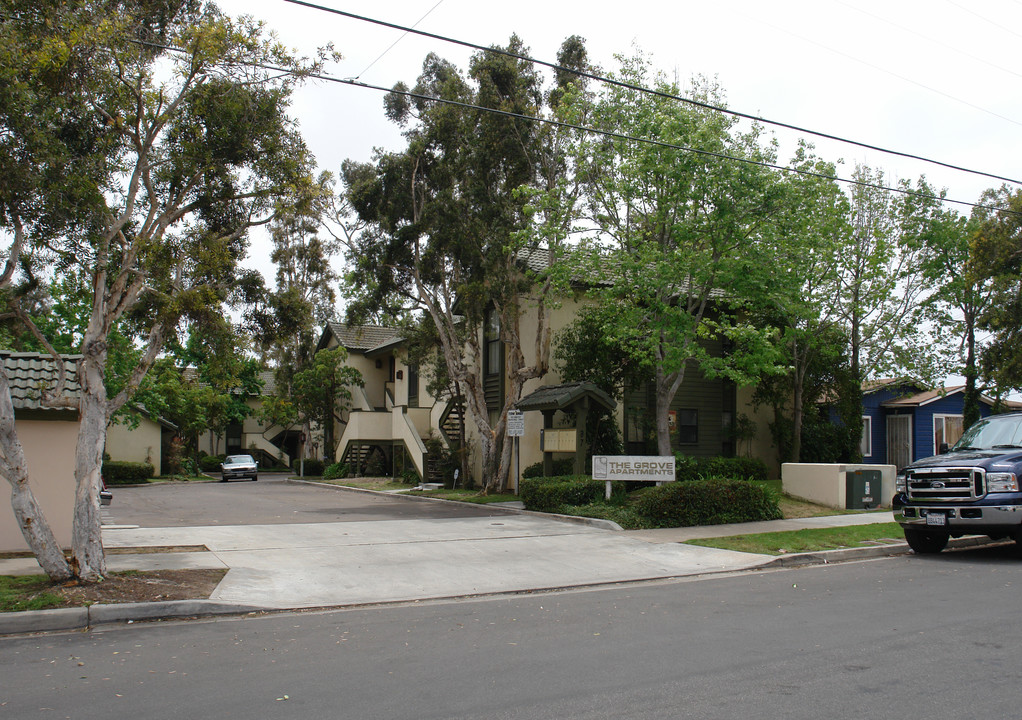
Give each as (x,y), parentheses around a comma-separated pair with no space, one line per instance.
(87,556)
(27,511)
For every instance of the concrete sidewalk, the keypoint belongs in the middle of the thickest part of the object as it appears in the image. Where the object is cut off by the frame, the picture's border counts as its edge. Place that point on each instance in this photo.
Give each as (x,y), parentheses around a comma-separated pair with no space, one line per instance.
(276,567)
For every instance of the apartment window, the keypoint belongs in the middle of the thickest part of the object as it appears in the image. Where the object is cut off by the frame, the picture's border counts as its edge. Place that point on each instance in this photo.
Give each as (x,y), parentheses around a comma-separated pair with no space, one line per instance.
(493,363)
(866,441)
(688,427)
(413,386)
(491,336)
(946,429)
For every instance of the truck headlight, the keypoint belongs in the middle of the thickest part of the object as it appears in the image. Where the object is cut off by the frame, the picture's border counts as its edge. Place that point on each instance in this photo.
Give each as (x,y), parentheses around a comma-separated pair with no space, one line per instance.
(900,484)
(1002,482)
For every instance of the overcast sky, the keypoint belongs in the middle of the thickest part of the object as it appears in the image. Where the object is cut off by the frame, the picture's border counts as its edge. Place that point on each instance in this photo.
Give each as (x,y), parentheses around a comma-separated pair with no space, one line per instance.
(935,78)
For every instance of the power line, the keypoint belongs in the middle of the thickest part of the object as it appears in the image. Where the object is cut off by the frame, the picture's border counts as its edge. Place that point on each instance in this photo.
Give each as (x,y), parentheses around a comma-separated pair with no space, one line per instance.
(391,47)
(903,78)
(658,143)
(935,41)
(605,133)
(658,93)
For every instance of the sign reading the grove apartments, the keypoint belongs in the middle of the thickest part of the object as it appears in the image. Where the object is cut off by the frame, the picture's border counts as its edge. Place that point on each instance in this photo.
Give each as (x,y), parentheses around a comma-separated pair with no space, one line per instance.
(635,468)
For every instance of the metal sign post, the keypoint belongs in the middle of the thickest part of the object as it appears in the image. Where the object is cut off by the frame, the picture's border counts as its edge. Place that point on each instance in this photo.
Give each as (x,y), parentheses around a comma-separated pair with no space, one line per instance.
(516,429)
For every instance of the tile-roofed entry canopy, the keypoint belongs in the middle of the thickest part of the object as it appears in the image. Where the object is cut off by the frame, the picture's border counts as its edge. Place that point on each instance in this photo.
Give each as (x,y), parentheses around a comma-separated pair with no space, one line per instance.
(359,338)
(30,373)
(560,397)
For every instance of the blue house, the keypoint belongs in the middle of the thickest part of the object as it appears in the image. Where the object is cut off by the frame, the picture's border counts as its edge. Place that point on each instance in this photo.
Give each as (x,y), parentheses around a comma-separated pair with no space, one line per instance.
(903,421)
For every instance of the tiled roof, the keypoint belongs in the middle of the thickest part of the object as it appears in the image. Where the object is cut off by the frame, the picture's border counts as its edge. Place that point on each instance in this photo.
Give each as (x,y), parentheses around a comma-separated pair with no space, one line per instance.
(361,338)
(558,397)
(30,373)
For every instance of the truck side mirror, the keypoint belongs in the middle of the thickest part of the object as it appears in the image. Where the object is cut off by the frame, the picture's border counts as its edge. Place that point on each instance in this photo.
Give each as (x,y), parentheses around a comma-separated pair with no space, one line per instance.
(943,449)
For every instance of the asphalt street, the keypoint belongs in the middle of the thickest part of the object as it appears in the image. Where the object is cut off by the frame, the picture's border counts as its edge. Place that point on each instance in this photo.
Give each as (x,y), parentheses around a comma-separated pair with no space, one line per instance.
(935,637)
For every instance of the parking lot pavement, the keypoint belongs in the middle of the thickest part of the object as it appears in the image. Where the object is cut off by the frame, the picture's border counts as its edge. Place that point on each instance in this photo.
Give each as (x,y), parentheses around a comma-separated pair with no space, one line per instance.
(269,501)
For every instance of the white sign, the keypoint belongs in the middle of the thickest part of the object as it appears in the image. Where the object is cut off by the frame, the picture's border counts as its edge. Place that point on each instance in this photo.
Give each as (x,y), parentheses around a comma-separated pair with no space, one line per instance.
(515,423)
(636,468)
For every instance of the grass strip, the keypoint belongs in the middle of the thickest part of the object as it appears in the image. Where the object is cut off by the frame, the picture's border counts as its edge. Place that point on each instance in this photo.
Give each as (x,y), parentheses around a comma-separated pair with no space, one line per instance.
(815,540)
(27,592)
(469,496)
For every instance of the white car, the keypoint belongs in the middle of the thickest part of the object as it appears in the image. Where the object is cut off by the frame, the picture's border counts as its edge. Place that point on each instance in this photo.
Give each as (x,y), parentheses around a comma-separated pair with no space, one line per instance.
(238,466)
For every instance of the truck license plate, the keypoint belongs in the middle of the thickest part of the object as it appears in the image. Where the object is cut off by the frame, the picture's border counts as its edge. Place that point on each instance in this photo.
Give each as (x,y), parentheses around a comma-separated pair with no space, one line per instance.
(936,519)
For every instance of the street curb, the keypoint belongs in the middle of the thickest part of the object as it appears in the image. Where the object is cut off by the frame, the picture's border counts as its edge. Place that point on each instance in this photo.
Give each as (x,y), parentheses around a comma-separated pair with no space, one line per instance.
(825,557)
(575,519)
(81,618)
(64,619)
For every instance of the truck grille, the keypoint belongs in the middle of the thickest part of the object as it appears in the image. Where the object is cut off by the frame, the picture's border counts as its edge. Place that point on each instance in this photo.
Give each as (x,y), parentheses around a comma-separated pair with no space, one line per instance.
(946,483)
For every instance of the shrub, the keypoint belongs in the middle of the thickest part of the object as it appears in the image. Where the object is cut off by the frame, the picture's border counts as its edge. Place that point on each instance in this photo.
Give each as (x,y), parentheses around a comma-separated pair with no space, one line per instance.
(211,463)
(336,470)
(551,494)
(409,476)
(688,468)
(126,473)
(376,464)
(562,468)
(713,501)
(313,466)
(737,468)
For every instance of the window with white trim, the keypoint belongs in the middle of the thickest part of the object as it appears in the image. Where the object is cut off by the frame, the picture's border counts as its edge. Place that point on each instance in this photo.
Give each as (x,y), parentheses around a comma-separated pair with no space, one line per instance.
(946,429)
(866,441)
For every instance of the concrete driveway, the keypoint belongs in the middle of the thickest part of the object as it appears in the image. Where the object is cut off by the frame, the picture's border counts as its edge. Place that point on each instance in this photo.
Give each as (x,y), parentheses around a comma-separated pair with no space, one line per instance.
(327,547)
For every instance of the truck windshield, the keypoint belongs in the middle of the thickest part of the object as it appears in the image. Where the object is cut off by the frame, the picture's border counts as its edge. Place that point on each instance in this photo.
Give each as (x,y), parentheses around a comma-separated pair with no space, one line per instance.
(994,432)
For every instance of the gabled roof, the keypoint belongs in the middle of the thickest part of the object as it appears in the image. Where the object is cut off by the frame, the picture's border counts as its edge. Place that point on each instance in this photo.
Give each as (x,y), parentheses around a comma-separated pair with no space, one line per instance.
(358,338)
(871,386)
(928,396)
(28,374)
(559,397)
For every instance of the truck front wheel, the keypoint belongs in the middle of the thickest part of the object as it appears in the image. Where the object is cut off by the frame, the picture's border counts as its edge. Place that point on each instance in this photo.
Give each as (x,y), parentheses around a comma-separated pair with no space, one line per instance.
(926,542)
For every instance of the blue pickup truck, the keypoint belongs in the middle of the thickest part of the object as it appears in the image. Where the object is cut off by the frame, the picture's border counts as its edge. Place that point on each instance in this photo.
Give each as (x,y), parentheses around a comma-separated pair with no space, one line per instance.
(969,489)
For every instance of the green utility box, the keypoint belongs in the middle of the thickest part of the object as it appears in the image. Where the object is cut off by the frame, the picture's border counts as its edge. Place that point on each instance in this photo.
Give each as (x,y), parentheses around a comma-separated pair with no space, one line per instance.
(862,489)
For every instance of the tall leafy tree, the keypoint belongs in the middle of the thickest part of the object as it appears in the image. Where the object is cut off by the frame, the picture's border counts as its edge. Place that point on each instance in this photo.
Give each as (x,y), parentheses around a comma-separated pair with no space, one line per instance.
(144,165)
(452,221)
(802,283)
(680,231)
(996,260)
(961,293)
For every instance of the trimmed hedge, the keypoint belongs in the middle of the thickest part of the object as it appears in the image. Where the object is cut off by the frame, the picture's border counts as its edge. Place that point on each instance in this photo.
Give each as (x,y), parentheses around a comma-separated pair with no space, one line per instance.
(712,501)
(551,494)
(313,467)
(562,468)
(127,473)
(688,468)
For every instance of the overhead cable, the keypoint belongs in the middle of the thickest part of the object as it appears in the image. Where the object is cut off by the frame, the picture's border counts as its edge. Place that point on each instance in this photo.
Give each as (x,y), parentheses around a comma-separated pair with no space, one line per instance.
(658,93)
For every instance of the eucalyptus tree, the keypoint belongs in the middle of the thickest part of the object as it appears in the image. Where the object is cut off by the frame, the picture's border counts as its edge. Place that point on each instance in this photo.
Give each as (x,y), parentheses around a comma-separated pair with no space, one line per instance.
(996,264)
(680,223)
(460,225)
(139,139)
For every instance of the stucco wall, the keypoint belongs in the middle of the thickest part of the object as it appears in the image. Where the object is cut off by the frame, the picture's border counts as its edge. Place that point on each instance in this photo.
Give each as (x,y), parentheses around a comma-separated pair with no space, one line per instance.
(49,449)
(141,444)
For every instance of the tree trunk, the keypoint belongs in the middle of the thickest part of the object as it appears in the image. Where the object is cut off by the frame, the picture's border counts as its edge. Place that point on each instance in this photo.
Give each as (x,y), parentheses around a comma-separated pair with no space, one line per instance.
(87,556)
(29,515)
(970,412)
(666,388)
